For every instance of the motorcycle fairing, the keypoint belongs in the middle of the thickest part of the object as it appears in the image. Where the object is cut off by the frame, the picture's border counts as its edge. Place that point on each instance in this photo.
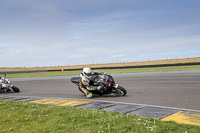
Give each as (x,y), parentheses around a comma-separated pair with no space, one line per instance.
(115,85)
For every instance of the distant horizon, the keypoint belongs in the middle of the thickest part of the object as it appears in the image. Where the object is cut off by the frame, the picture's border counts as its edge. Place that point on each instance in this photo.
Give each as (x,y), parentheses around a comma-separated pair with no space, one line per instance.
(104,63)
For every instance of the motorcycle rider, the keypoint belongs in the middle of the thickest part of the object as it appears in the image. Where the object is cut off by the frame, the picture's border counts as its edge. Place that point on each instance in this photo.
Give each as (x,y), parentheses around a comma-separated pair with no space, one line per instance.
(84,82)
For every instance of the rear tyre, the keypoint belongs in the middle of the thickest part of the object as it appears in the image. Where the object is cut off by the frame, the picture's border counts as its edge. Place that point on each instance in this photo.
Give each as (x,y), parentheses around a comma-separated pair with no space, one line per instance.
(15,89)
(120,91)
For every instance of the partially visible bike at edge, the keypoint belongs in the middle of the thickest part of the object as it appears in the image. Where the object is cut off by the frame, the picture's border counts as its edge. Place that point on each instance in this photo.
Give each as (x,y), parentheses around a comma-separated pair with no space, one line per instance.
(7,86)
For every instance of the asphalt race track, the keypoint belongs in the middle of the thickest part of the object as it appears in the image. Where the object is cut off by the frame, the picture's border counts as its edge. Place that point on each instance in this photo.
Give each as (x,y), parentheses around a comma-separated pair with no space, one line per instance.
(178,89)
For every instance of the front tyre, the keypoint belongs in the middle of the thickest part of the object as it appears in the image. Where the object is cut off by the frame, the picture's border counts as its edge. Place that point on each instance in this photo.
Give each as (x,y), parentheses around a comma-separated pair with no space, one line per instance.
(120,91)
(15,89)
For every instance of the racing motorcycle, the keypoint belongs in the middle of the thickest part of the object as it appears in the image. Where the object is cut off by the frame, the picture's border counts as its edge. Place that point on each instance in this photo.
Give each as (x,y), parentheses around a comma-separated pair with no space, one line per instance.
(6,86)
(108,83)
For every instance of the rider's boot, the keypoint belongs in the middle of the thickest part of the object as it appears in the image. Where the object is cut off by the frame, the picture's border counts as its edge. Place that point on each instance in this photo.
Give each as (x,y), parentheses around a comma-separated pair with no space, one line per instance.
(87,93)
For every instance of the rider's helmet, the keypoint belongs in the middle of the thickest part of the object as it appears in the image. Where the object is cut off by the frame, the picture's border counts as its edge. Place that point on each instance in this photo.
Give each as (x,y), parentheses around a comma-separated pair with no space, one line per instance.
(87,72)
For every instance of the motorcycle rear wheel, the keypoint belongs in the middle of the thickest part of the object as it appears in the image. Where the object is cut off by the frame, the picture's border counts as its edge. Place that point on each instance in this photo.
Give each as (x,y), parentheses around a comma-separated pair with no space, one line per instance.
(120,91)
(15,89)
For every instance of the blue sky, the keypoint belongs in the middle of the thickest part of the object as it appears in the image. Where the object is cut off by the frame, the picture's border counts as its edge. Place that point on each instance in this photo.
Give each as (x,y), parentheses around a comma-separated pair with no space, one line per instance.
(72,32)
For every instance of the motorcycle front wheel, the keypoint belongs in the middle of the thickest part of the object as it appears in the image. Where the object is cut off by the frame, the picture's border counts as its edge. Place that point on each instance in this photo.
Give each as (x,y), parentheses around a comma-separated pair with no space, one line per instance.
(120,91)
(15,89)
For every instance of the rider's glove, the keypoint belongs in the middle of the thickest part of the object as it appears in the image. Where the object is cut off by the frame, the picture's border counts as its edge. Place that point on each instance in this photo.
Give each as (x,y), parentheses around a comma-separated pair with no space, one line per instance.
(100,87)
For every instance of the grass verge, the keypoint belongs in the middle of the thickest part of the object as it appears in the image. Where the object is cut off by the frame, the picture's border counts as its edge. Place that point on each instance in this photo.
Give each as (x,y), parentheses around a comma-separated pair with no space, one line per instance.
(18,117)
(109,71)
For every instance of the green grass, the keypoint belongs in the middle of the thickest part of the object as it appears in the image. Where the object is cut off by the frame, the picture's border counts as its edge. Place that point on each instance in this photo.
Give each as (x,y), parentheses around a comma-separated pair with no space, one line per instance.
(23,117)
(109,71)
(43,74)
